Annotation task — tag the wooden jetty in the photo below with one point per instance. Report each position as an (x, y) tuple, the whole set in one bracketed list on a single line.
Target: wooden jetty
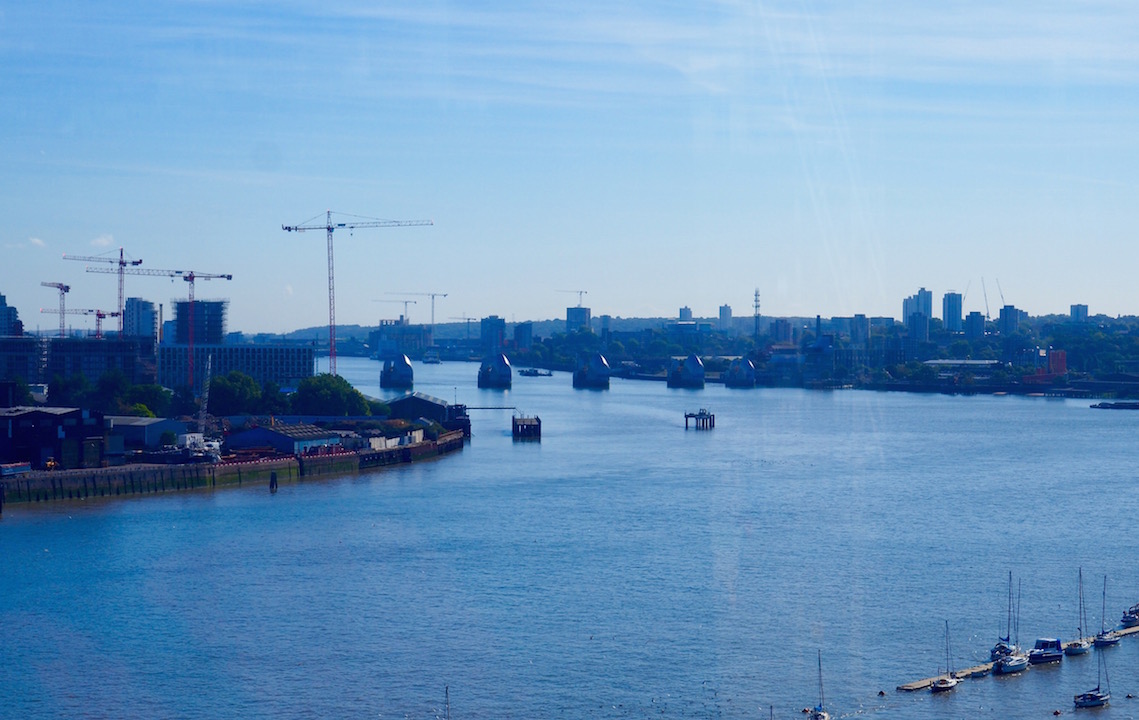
[(984, 668), (703, 420), (526, 428)]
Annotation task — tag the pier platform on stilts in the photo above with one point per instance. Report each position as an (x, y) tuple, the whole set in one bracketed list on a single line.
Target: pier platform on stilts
[(703, 420)]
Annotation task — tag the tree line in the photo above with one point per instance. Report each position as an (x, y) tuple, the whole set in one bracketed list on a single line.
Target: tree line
[(232, 394)]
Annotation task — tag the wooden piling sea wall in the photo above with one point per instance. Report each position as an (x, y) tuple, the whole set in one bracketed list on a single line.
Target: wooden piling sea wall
[(52, 486)]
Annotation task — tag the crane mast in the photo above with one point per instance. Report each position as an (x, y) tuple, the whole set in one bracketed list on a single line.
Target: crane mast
[(432, 295), (122, 264), (190, 276), (99, 316), (63, 290), (205, 395), (405, 320), (329, 227)]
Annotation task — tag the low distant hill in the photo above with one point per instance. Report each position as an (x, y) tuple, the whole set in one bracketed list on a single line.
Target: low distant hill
[(459, 330)]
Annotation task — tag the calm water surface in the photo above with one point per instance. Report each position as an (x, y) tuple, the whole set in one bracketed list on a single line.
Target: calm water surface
[(623, 567)]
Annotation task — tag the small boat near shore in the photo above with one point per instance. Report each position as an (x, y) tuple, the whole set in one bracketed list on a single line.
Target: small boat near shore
[(819, 712), (948, 681), (1046, 650), (1106, 638), (1004, 644), (1010, 664), (1099, 695), (1130, 616), (1080, 645)]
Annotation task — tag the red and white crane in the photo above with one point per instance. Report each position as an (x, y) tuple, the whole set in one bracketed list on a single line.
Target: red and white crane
[(99, 315), (190, 276), (329, 227), (122, 262), (63, 290)]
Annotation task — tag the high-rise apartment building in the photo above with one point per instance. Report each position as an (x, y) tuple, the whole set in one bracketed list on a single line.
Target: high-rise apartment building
[(974, 326), (725, 318), (1009, 321), (140, 319), (951, 312), (492, 333), (859, 331), (921, 302), (577, 318)]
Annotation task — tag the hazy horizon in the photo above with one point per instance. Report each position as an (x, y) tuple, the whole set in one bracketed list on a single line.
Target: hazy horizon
[(835, 156)]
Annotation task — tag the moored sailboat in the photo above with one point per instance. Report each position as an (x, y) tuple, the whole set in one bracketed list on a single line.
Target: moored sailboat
[(820, 711), (1004, 642), (1080, 645), (1106, 638), (948, 681), (1014, 660), (1099, 695)]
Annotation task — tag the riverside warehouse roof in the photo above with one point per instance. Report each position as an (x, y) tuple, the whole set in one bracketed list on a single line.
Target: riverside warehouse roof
[(303, 431)]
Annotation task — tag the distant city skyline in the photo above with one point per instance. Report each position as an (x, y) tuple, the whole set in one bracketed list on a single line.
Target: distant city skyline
[(837, 157)]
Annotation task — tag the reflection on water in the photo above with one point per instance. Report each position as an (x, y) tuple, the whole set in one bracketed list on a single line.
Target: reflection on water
[(622, 567)]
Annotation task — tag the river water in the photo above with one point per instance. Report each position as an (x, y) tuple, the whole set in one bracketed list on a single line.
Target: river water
[(622, 567)]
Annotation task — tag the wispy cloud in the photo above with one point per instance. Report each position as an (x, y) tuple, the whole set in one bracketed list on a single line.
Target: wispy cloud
[(36, 242), (104, 240)]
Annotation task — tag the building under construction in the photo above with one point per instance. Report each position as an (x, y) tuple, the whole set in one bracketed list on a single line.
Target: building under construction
[(183, 358)]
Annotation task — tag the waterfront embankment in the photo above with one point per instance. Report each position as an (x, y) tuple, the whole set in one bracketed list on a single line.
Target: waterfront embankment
[(63, 485)]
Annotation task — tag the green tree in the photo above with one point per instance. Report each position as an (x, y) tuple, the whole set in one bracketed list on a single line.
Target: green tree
[(68, 392), (234, 394), (183, 402), (110, 390), (139, 410), (23, 396), (379, 408), (328, 395), (273, 401), (154, 397)]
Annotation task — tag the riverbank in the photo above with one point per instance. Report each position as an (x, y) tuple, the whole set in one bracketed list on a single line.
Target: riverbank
[(72, 485)]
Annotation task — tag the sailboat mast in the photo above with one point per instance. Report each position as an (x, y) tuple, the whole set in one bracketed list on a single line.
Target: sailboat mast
[(1103, 612), (948, 670), (1106, 679), (822, 702), (1008, 620), (1080, 629)]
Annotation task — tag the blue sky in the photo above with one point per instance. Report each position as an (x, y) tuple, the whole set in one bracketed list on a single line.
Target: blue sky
[(836, 155)]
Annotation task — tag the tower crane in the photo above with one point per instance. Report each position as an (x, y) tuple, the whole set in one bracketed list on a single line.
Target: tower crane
[(405, 304), (190, 276), (330, 227), (579, 294), (986, 294), (432, 295), (99, 315), (205, 395), (63, 290), (468, 321), (122, 262)]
